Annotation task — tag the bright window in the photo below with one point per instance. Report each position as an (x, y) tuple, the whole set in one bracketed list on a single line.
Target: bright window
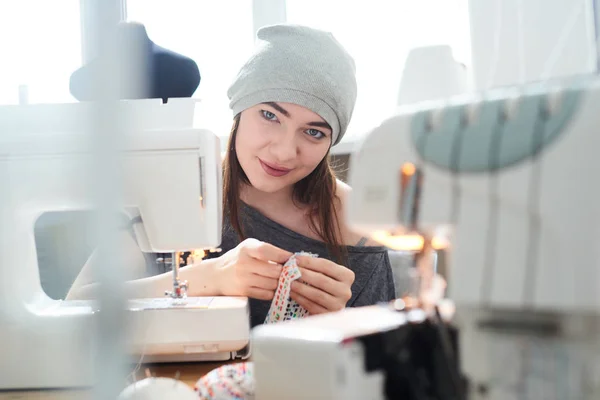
[(217, 35), (40, 44), (379, 34)]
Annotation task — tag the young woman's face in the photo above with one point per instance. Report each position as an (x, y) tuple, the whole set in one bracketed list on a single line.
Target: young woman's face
[(278, 144)]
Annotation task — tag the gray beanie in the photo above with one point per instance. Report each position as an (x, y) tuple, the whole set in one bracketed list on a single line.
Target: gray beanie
[(300, 65)]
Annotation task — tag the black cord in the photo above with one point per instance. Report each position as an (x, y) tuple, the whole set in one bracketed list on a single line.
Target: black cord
[(493, 214), (534, 197), (449, 357), (455, 155), (422, 140)]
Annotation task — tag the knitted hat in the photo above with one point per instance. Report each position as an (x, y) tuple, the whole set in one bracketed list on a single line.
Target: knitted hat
[(300, 65)]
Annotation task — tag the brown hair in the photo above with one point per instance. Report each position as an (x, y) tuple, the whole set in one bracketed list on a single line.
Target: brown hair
[(317, 191)]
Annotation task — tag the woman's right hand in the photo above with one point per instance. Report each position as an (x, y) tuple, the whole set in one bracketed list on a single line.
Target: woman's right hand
[(251, 269)]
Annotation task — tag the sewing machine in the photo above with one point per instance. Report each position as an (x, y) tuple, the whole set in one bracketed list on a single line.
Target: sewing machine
[(171, 177), (507, 177), (504, 175)]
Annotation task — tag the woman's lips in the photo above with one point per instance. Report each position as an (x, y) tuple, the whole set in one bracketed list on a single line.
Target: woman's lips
[(273, 170)]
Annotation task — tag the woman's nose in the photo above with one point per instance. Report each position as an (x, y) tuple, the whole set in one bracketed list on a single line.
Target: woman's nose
[(284, 147)]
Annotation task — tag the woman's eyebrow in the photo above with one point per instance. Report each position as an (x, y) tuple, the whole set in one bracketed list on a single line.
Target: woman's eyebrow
[(278, 108), (320, 124)]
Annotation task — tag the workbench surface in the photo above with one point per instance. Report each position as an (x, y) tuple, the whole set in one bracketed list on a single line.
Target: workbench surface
[(189, 373)]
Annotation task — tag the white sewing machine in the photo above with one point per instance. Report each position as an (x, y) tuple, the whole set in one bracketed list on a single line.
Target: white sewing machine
[(508, 175), (172, 177)]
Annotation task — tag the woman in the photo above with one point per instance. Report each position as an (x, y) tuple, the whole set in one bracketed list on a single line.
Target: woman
[(292, 101)]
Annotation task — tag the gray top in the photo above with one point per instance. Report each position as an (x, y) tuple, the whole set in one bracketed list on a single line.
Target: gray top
[(373, 282)]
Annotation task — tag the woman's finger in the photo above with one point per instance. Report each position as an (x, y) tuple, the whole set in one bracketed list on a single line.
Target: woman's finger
[(262, 282), (310, 306), (323, 282), (260, 294), (262, 268), (326, 267), (267, 252), (315, 295)]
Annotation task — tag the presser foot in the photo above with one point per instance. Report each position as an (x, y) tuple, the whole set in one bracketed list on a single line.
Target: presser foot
[(179, 292)]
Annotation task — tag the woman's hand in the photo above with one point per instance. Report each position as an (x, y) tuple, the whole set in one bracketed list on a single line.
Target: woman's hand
[(251, 269), (324, 286)]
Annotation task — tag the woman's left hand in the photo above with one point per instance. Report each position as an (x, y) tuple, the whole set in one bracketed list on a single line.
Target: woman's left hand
[(324, 286)]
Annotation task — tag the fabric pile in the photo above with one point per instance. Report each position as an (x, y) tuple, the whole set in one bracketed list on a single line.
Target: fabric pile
[(229, 382)]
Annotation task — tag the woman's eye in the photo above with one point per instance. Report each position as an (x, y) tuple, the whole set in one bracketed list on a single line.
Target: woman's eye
[(269, 115), (315, 133)]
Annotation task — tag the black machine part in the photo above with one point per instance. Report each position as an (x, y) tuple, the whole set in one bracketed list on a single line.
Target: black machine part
[(420, 361)]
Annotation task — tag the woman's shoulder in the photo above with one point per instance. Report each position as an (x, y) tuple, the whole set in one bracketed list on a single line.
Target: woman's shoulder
[(349, 237)]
